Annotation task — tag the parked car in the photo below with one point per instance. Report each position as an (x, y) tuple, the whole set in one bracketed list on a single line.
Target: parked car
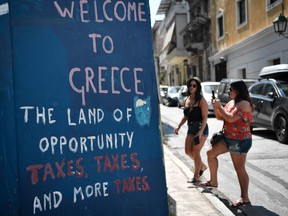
[(207, 88), (278, 72), (270, 98), (182, 94), (171, 98), (162, 92), (222, 92)]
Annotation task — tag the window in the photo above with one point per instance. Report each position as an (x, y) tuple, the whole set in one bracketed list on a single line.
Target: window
[(194, 70), (220, 25), (268, 88), (270, 4), (283, 88), (276, 61), (257, 89), (241, 12), (273, 61), (243, 73)]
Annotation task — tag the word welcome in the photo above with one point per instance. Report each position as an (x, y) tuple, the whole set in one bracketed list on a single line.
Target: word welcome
[(110, 11)]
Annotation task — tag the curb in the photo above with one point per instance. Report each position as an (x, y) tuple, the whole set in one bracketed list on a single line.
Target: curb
[(187, 172)]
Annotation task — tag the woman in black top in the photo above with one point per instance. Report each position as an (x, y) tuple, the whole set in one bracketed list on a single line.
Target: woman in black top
[(196, 114)]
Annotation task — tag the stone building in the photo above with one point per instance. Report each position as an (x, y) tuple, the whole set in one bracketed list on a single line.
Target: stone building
[(243, 37), (216, 39)]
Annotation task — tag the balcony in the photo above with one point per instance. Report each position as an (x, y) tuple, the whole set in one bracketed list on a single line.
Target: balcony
[(197, 22), (193, 34)]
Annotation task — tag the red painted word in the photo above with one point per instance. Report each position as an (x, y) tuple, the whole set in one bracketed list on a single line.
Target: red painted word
[(117, 162), (50, 170), (132, 184)]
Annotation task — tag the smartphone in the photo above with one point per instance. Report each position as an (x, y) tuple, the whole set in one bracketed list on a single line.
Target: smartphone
[(213, 94), (196, 140)]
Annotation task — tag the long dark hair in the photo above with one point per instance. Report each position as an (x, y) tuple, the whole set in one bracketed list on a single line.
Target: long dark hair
[(198, 94), (242, 91)]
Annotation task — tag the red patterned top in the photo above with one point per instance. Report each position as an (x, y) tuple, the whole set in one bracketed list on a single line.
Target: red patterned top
[(239, 129)]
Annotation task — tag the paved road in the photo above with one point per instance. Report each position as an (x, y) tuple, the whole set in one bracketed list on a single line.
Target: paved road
[(267, 165)]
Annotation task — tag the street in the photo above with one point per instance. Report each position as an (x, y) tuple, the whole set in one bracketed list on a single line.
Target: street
[(266, 165)]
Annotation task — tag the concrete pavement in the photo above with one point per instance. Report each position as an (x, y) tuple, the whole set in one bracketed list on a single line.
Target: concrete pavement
[(186, 199)]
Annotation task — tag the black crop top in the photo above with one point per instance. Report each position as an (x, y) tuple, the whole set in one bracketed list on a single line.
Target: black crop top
[(195, 114)]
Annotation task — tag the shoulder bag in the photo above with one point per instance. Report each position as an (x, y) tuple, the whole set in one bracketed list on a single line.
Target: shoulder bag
[(216, 137)]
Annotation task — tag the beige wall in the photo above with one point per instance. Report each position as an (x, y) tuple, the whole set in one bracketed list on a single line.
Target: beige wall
[(258, 19)]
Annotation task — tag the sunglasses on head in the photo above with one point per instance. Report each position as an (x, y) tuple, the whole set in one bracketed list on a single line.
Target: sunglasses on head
[(193, 85), (231, 89)]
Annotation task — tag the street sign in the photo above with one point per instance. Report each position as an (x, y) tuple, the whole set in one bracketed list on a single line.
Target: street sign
[(80, 131)]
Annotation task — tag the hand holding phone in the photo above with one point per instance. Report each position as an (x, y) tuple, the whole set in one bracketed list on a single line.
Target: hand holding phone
[(213, 94)]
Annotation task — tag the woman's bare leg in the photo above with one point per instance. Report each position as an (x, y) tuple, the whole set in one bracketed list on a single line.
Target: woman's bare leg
[(212, 153), (243, 178), (198, 163)]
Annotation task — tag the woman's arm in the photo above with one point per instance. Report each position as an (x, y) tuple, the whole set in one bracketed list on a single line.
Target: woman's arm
[(204, 110), (183, 120), (231, 116), (217, 113)]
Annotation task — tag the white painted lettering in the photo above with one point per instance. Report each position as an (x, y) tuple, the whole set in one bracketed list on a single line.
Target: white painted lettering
[(50, 201), (122, 11), (103, 71), (62, 144), (98, 189)]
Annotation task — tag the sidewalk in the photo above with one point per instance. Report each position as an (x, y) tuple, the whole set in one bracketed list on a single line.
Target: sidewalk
[(186, 199)]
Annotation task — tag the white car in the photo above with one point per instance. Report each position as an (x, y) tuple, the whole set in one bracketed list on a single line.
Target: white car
[(207, 88), (182, 94)]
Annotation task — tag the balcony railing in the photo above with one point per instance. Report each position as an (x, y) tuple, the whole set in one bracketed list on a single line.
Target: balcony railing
[(193, 34), (198, 22)]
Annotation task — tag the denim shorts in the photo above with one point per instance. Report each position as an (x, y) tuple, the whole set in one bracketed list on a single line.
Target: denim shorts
[(194, 128), (238, 146)]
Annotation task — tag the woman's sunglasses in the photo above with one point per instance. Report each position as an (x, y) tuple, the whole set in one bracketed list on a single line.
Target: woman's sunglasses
[(230, 89), (193, 85)]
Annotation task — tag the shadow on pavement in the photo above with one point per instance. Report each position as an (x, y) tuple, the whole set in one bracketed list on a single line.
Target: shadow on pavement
[(172, 206), (245, 210), (256, 210), (167, 129), (267, 134)]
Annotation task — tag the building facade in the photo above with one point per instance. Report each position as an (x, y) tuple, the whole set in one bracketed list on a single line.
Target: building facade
[(216, 39), (243, 37), (184, 35), (197, 39), (171, 52)]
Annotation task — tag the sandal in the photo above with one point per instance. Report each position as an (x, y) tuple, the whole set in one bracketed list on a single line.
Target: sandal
[(202, 171), (208, 184), (240, 202), (193, 180)]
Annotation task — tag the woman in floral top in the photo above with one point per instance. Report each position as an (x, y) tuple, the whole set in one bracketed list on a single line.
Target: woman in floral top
[(237, 116)]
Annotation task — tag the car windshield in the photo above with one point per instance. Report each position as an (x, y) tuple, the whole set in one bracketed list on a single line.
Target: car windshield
[(283, 87), (174, 90), (209, 88), (248, 84)]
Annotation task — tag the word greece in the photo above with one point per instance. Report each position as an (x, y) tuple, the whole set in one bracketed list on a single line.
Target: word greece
[(100, 11), (104, 80)]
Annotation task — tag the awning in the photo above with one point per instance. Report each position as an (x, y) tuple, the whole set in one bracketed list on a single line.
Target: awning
[(163, 7), (168, 36)]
